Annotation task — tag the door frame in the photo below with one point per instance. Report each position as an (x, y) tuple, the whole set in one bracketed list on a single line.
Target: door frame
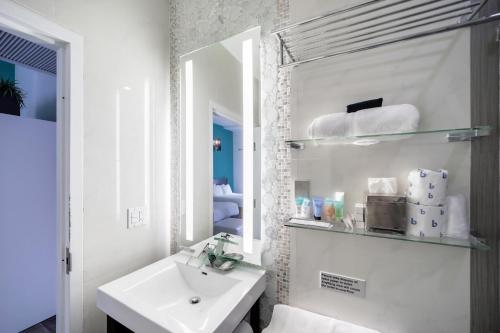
[(69, 46)]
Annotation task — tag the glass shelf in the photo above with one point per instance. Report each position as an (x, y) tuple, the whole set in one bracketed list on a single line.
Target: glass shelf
[(471, 243), (436, 135)]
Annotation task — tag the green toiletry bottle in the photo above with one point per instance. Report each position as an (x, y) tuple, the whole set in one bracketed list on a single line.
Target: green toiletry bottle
[(339, 205)]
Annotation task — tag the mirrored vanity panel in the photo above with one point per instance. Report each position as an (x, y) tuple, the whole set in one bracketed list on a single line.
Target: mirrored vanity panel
[(220, 164)]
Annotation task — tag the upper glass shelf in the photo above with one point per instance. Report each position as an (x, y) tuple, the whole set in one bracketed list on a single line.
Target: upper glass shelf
[(436, 135), (470, 243)]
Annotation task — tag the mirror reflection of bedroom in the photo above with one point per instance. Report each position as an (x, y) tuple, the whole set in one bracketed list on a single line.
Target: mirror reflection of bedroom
[(227, 159)]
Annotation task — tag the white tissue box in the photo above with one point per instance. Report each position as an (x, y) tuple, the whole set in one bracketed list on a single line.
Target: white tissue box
[(360, 218), (382, 185), (359, 209), (360, 225)]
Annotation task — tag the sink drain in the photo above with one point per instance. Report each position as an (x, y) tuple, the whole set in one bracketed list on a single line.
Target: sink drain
[(195, 300)]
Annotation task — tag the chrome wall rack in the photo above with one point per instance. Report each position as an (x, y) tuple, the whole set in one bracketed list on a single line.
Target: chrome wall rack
[(374, 24)]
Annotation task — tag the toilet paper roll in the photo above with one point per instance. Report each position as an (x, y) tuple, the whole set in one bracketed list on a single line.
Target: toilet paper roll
[(427, 187), (425, 221)]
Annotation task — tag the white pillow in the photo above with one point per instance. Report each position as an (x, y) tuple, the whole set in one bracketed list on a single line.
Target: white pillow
[(227, 189), (218, 190)]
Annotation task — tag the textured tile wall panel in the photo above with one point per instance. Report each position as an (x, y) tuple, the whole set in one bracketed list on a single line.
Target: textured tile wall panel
[(195, 24)]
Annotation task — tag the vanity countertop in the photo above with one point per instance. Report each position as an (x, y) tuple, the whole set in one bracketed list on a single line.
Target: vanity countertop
[(157, 298)]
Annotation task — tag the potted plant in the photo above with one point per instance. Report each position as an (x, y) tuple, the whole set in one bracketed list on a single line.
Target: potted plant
[(11, 97)]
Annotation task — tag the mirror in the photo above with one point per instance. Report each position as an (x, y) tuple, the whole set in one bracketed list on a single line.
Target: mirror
[(220, 164)]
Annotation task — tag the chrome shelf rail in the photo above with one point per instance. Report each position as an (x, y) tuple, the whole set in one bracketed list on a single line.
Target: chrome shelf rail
[(374, 24)]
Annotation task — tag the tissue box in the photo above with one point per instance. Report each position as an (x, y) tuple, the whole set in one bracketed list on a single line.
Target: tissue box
[(359, 212), (386, 213), (382, 186)]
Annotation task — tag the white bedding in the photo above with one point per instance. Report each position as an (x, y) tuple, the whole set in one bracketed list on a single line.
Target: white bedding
[(237, 198), (224, 210), (230, 225)]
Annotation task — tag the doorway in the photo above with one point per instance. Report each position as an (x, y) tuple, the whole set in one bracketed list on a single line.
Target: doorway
[(28, 225), (67, 182)]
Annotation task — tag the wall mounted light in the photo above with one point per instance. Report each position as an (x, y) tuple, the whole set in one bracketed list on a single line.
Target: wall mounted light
[(189, 123), (248, 145), (217, 144)]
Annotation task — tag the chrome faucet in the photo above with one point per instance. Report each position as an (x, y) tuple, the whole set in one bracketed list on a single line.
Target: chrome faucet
[(206, 253), (214, 254)]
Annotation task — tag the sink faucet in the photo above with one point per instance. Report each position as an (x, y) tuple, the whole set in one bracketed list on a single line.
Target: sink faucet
[(202, 256), (213, 254)]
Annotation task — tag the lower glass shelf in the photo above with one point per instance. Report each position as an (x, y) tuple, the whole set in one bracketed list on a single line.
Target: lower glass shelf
[(470, 243)]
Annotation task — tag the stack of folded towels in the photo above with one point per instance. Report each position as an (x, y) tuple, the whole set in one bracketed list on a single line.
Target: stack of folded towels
[(426, 207), (371, 118)]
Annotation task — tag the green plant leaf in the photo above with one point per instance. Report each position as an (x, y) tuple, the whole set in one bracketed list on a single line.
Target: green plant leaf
[(8, 88)]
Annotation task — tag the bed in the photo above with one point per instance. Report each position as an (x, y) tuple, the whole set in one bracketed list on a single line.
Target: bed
[(236, 198), (230, 225), (226, 218)]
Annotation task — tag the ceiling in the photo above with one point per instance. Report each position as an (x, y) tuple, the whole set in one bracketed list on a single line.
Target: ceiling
[(25, 52)]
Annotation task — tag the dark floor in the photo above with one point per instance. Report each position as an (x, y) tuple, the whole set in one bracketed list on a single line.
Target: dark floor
[(46, 326)]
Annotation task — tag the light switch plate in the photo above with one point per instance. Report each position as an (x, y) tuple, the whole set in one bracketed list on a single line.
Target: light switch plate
[(136, 217)]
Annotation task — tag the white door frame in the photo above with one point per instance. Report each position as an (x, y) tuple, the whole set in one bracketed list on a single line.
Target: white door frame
[(69, 46)]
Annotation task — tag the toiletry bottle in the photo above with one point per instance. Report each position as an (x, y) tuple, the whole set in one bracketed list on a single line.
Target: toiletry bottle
[(339, 205), (298, 206), (317, 207), (306, 208), (329, 210)]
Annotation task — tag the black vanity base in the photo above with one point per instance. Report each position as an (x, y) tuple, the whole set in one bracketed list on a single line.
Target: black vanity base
[(115, 327)]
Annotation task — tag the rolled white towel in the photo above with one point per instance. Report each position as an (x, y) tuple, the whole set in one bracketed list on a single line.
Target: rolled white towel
[(386, 119), (457, 226), (333, 124), (293, 320)]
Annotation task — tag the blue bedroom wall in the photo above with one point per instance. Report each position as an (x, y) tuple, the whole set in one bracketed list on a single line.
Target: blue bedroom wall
[(7, 70), (40, 90), (223, 159)]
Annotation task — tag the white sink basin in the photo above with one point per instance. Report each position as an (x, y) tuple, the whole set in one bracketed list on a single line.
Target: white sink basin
[(158, 297)]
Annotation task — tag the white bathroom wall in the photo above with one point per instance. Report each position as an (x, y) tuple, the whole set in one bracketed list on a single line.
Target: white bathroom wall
[(410, 287), (126, 116), (28, 256), (40, 88)]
